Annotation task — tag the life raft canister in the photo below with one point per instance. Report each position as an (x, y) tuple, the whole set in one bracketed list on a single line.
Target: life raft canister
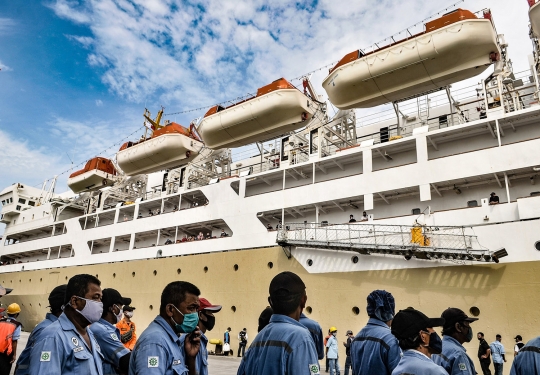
[(7, 328)]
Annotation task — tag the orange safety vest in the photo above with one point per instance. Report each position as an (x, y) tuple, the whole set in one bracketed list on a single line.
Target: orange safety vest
[(125, 327), (7, 328)]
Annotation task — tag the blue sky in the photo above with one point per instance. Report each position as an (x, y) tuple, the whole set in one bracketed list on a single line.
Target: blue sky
[(77, 75)]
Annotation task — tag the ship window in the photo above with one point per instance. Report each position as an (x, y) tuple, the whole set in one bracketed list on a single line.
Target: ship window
[(443, 121), (22, 201), (416, 211), (18, 208), (31, 203), (3, 203), (472, 203)]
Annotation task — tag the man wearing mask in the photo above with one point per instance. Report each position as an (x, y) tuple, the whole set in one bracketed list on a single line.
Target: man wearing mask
[(207, 321), (484, 352), (332, 352), (158, 350), (350, 337), (375, 350), (419, 341), (527, 363), (242, 337), (316, 332), (67, 347), (456, 331), (284, 346), (497, 351), (128, 336), (56, 301), (115, 354)]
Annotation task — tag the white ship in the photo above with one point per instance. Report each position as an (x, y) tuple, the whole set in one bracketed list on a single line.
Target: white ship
[(423, 173)]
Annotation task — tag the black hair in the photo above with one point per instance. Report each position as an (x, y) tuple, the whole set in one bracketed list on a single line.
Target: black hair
[(497, 335), (228, 328), (481, 334), (410, 343), (175, 293), (285, 303), (78, 286)]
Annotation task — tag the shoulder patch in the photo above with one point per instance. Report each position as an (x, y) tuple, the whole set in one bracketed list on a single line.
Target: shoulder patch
[(114, 337), (45, 357), (314, 369), (462, 367), (153, 361)]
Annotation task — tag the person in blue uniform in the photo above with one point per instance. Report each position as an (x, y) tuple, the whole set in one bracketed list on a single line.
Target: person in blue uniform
[(528, 360), (284, 346), (456, 330), (419, 341), (159, 349), (374, 349), (332, 352), (115, 354), (264, 318), (316, 333), (67, 346), (56, 301)]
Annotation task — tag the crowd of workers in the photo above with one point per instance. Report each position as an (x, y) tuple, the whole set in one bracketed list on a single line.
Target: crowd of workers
[(84, 333)]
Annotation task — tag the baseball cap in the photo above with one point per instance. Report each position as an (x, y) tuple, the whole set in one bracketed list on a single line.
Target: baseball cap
[(452, 315), (518, 337), (113, 297), (349, 332), (128, 308), (286, 283), (204, 304), (407, 323)]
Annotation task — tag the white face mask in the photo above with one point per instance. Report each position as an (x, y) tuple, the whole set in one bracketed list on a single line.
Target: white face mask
[(128, 314), (92, 310), (119, 315)]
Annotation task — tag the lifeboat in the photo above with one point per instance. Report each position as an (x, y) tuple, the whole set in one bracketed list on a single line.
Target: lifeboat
[(169, 146), (534, 17), (277, 108), (452, 48), (96, 174)]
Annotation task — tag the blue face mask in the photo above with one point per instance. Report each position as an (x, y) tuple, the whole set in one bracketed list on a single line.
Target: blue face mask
[(189, 324), (435, 343)]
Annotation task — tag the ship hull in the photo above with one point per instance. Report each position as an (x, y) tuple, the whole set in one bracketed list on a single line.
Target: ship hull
[(497, 290)]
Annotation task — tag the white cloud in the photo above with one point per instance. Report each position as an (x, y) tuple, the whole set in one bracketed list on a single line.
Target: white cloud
[(6, 25), (85, 41), (4, 67), (99, 103)]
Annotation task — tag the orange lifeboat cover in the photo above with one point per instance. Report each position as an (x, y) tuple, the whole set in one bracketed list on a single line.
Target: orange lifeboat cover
[(102, 164)]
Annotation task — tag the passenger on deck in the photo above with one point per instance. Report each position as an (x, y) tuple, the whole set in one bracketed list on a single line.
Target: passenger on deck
[(269, 227), (150, 213), (223, 233), (208, 236), (184, 239), (139, 216), (279, 226), (168, 242), (200, 237), (364, 216), (352, 219), (493, 199), (175, 208)]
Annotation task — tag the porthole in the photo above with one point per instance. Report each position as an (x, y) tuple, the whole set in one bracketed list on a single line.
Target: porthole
[(39, 304), (151, 307), (309, 309), (475, 311), (114, 275), (19, 280), (133, 274), (235, 267), (66, 277), (354, 259), (270, 265), (41, 279), (537, 245), (178, 271), (30, 305), (97, 276), (355, 310), (309, 262), (29, 280), (205, 269), (233, 309), (155, 272)]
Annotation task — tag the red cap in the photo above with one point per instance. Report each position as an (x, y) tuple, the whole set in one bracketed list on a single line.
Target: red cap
[(205, 305)]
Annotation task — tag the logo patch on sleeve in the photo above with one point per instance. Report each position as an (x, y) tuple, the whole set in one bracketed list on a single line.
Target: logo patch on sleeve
[(314, 369), (177, 362), (45, 357), (114, 337), (153, 362), (462, 367)]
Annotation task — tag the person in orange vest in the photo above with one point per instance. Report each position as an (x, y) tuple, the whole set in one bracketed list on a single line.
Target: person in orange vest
[(127, 328), (10, 332)]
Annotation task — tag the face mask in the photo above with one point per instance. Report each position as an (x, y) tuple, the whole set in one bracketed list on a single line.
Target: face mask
[(334, 334), (92, 310), (435, 343), (188, 325), (469, 335), (210, 322), (129, 314), (119, 315)]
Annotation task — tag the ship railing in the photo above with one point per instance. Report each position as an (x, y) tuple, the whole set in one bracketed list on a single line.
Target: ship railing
[(416, 241)]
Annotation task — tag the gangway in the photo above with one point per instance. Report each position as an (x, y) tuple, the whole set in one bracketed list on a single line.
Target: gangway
[(423, 242)]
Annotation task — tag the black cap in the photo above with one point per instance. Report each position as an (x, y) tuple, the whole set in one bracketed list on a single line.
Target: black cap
[(452, 315), (493, 193), (349, 332), (56, 298), (128, 308), (113, 297), (407, 323), (518, 337), (286, 283)]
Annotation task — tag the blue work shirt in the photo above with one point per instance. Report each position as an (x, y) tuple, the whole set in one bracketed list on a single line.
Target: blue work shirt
[(454, 358), (415, 363), (158, 351), (201, 361), (284, 346), (528, 360), (332, 346), (24, 358), (497, 350), (375, 350), (62, 350), (316, 333), (108, 338)]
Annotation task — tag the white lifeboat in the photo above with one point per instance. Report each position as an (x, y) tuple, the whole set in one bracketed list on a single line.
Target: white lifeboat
[(96, 174), (170, 146), (278, 108), (534, 17), (452, 48)]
